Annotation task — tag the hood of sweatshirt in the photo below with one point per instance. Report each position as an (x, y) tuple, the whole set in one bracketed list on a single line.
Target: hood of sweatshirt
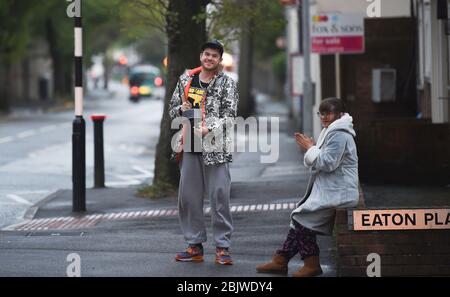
[(345, 123)]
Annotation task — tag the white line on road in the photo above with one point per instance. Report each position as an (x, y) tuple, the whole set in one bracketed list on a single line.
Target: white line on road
[(18, 199), (6, 139), (26, 134), (34, 192), (65, 125), (93, 219), (47, 128), (142, 170)]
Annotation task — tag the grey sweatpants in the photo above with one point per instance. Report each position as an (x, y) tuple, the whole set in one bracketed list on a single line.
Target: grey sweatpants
[(196, 180)]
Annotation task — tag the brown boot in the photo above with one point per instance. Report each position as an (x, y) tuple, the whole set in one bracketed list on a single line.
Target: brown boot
[(279, 265), (310, 269)]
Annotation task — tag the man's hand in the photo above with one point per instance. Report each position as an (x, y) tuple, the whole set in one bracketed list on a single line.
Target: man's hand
[(304, 142), (185, 106), (200, 130)]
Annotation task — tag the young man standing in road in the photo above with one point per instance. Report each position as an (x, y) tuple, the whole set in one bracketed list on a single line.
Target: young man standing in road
[(213, 95)]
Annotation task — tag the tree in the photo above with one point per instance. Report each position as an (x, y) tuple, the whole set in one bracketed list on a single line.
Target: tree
[(240, 20), (15, 33), (185, 32), (101, 30), (186, 24)]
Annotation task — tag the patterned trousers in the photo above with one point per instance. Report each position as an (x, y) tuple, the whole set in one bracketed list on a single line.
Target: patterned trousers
[(300, 240)]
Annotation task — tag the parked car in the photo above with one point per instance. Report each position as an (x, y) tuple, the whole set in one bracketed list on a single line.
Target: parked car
[(144, 80)]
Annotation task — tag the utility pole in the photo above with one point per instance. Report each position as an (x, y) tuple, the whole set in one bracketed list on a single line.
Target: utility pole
[(308, 86), (79, 125)]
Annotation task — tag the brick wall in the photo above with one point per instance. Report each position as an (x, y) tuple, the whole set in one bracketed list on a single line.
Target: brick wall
[(392, 145)]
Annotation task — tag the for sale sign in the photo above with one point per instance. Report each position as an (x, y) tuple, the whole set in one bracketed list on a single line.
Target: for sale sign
[(333, 33)]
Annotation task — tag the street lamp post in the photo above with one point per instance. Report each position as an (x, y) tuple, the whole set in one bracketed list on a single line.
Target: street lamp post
[(79, 125)]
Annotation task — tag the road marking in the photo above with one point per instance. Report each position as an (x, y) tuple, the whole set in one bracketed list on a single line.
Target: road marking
[(33, 192), (6, 139), (59, 223), (18, 199), (64, 125), (47, 128), (142, 170), (26, 134)]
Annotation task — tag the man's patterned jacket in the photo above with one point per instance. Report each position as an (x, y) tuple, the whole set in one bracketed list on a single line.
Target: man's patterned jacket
[(219, 112)]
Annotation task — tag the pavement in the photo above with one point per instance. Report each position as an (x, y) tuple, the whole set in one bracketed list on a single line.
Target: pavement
[(122, 234)]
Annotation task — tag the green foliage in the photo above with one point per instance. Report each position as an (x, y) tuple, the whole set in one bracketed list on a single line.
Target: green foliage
[(20, 21), (279, 66), (144, 25), (228, 16), (140, 16), (152, 47), (102, 28), (15, 20)]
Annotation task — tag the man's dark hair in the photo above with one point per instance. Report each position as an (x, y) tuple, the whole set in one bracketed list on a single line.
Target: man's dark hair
[(332, 104)]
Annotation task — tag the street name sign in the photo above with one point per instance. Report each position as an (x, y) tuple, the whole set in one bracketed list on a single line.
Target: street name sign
[(400, 219)]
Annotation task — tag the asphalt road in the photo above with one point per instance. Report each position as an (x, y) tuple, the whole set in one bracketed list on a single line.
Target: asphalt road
[(144, 246), (36, 149)]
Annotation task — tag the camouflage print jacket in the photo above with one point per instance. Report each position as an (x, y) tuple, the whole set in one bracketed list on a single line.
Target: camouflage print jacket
[(220, 110)]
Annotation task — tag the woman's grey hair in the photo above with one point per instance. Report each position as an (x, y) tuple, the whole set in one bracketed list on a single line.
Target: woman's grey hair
[(332, 104)]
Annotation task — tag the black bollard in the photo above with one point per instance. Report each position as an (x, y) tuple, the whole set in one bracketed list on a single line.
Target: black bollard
[(79, 165), (99, 160)]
